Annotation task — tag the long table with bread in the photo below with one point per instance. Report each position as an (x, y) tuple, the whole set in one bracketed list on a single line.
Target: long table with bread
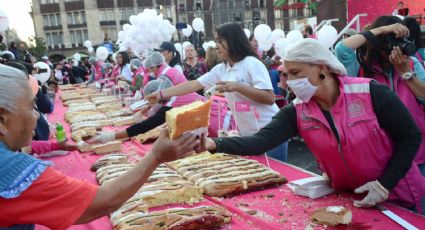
[(217, 189)]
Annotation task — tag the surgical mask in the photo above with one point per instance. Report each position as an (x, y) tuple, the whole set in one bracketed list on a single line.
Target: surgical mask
[(302, 88)]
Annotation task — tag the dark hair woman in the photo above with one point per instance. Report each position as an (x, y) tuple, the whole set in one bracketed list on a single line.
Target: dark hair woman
[(244, 80), (386, 58)]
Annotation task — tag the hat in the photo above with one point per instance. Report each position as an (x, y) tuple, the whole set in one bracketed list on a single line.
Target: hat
[(311, 51), (154, 59), (166, 46), (350, 32)]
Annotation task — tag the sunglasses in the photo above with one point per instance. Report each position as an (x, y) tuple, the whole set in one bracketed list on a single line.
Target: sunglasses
[(41, 71)]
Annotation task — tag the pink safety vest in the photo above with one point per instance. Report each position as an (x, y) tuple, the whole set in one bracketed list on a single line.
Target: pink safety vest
[(224, 115), (363, 150), (403, 91)]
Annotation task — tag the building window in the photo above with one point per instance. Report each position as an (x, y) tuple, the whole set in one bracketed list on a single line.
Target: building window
[(78, 37), (54, 39), (182, 5), (72, 0), (231, 4), (49, 1), (107, 15), (167, 12), (248, 14), (279, 25), (111, 32), (277, 13), (183, 18), (292, 13), (198, 5), (52, 20), (263, 14), (306, 12), (126, 13), (262, 4), (76, 18)]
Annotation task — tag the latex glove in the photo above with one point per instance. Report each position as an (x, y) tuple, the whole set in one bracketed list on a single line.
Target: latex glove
[(103, 138), (376, 194)]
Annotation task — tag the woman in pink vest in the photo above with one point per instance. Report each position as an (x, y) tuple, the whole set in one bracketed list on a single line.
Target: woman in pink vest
[(166, 77), (362, 135), (387, 61)]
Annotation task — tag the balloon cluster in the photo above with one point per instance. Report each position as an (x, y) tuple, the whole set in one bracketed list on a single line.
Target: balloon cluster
[(147, 30)]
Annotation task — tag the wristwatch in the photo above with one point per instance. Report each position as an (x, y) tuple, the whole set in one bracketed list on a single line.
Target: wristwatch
[(408, 76)]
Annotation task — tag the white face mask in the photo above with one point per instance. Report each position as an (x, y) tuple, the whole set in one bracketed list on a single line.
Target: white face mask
[(302, 88)]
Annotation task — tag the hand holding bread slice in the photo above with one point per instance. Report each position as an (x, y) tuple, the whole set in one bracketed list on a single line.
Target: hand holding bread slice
[(187, 118)]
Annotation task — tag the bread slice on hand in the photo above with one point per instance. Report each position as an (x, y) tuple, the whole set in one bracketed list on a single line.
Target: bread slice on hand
[(332, 215), (187, 118)]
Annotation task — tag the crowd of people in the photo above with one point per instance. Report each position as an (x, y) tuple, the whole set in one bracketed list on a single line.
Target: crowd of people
[(360, 110)]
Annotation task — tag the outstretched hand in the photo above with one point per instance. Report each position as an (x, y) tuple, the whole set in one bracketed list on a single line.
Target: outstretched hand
[(166, 150)]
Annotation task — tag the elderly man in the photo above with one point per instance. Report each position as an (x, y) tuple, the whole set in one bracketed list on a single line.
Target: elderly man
[(32, 192)]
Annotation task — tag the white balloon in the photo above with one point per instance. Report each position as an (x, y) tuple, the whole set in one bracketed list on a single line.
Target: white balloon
[(294, 36), (247, 32), (77, 57), (198, 24), (280, 46), (277, 34), (178, 47), (327, 35), (262, 33), (42, 77), (125, 27), (4, 21), (133, 19), (265, 45), (187, 31), (185, 44), (90, 49), (101, 53), (87, 44)]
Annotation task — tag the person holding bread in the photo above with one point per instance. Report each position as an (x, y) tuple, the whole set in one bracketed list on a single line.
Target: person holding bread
[(166, 77), (33, 192), (244, 80), (361, 134)]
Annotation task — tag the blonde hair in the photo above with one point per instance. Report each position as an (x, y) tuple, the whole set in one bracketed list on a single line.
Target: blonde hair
[(211, 58)]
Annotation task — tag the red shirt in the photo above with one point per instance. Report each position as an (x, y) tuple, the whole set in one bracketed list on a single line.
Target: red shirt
[(53, 200)]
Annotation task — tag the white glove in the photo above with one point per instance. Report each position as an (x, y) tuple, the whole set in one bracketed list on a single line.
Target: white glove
[(103, 138), (376, 194)]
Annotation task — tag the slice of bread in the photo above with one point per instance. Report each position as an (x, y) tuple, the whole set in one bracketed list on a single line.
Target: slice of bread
[(187, 118), (332, 215)]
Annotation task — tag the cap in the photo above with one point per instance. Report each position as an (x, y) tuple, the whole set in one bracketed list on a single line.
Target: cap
[(166, 46)]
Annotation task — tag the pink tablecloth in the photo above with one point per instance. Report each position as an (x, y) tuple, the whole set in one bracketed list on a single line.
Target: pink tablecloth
[(274, 208)]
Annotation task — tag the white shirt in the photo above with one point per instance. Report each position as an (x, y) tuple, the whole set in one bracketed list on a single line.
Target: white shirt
[(179, 68), (58, 74), (250, 116), (126, 72)]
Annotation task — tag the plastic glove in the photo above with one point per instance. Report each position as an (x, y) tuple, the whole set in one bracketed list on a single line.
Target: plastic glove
[(376, 194), (103, 137)]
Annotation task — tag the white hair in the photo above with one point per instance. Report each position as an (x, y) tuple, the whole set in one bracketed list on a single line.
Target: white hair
[(13, 84)]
